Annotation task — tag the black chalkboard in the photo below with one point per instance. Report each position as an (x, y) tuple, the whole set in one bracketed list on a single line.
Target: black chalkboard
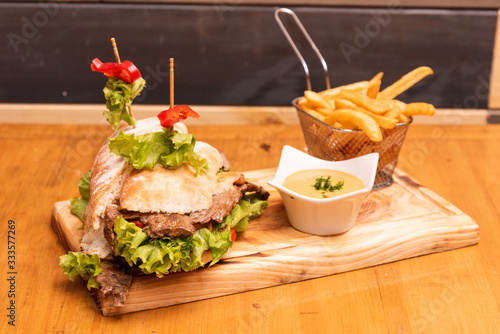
[(237, 55)]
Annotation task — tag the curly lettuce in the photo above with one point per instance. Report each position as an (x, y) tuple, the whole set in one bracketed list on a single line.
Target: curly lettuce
[(171, 149), (248, 208), (80, 264), (159, 256), (119, 96), (78, 205), (168, 255)]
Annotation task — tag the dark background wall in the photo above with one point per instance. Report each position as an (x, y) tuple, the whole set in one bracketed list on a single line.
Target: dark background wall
[(237, 55)]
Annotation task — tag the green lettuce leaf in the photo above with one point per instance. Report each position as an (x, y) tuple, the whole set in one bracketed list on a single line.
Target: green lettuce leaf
[(159, 256), (84, 185), (171, 149), (84, 265), (249, 207), (78, 205), (219, 241), (119, 95)]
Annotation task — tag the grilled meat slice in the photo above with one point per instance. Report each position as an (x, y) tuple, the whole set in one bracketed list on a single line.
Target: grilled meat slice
[(114, 281), (222, 204), (160, 225), (249, 187)]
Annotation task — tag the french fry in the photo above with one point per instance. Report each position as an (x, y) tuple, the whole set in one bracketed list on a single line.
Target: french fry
[(324, 111), (383, 122), (337, 125), (302, 101), (365, 102), (419, 108), (341, 103), (314, 113), (395, 104), (336, 91), (400, 104), (358, 118), (315, 100), (397, 110), (349, 125), (393, 113), (373, 86), (402, 118), (405, 82), (305, 104)]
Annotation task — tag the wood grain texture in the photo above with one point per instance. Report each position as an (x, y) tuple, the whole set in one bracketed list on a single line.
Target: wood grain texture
[(395, 223), (451, 292)]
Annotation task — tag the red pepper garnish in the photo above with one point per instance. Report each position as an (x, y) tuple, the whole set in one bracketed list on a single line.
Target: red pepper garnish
[(138, 224), (233, 234), (125, 71), (176, 114)]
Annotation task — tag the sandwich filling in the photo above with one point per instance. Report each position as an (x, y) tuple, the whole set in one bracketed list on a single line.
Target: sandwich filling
[(161, 225)]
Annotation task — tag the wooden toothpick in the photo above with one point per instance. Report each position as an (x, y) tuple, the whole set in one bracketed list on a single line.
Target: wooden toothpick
[(117, 57), (171, 83), (115, 50)]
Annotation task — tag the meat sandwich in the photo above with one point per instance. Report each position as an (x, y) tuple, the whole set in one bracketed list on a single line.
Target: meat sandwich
[(158, 220)]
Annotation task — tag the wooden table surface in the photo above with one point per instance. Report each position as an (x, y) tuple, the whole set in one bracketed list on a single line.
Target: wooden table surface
[(452, 292)]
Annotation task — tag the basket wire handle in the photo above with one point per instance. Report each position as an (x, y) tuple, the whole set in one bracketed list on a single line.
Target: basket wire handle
[(297, 52)]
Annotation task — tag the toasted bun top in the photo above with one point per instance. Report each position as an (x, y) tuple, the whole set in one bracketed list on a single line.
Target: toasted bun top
[(172, 190)]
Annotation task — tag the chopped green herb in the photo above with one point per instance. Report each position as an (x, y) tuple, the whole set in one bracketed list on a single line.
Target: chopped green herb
[(326, 185)]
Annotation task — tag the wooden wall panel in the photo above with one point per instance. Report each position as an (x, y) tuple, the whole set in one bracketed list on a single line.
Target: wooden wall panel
[(494, 102), (236, 54)]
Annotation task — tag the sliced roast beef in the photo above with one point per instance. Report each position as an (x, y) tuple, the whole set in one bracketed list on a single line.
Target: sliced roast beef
[(249, 187), (222, 204), (112, 212), (161, 225), (114, 281)]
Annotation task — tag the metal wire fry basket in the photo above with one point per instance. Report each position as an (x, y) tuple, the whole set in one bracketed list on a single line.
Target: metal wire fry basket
[(326, 142)]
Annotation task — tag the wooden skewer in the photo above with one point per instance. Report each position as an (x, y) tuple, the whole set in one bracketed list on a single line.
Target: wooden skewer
[(131, 115), (117, 57), (171, 83), (115, 50)]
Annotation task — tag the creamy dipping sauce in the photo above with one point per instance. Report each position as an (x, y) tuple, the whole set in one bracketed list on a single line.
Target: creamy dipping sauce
[(331, 183)]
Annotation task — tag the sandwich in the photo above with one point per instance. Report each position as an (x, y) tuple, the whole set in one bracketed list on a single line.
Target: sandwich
[(158, 220), (156, 201)]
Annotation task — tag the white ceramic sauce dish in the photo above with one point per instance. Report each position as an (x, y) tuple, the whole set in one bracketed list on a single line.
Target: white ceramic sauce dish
[(323, 216)]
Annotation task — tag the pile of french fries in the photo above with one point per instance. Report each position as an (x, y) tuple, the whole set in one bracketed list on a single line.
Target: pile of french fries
[(362, 106)]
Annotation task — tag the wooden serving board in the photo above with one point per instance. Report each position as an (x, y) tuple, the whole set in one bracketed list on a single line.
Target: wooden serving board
[(395, 223)]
